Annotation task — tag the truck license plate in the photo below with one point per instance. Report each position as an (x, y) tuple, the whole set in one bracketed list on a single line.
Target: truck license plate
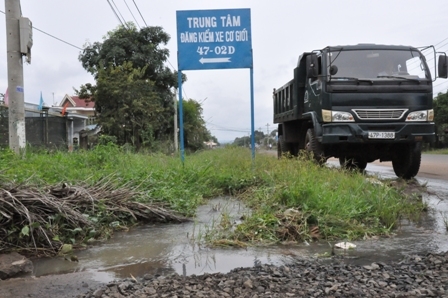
[(381, 135)]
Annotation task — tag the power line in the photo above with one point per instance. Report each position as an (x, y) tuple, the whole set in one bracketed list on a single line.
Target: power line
[(76, 47), (140, 13), (219, 126), (431, 57), (57, 38), (136, 6), (442, 46), (169, 62), (125, 2), (115, 12), (441, 83), (124, 20), (441, 87), (233, 130), (440, 42)]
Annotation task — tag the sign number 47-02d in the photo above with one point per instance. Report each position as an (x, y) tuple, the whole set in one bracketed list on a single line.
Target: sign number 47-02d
[(218, 50)]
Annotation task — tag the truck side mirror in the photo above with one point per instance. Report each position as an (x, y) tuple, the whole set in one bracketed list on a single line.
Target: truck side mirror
[(312, 66), (443, 67)]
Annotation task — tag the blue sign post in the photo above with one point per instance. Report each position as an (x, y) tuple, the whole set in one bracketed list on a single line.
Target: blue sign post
[(214, 39)]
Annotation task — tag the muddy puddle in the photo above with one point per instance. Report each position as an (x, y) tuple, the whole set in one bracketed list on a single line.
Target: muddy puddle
[(161, 249)]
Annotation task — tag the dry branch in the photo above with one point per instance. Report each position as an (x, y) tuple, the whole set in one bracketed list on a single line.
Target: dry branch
[(36, 221)]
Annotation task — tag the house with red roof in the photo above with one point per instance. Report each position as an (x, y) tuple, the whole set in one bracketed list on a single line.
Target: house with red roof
[(76, 105), (80, 114), (76, 122)]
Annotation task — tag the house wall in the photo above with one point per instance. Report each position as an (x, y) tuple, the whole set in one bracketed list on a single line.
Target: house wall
[(40, 131), (47, 128), (74, 126)]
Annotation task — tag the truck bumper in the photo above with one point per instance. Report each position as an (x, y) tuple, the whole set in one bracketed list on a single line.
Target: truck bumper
[(333, 133)]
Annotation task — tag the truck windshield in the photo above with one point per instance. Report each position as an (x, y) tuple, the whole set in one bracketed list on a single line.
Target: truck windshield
[(378, 64)]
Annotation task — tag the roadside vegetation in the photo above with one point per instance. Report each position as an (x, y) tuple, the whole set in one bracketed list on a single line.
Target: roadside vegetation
[(437, 151), (441, 121), (290, 199)]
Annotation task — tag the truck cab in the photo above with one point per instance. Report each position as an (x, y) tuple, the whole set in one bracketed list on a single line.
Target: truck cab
[(359, 103)]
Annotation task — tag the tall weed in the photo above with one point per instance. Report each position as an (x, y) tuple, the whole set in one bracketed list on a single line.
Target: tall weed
[(327, 202)]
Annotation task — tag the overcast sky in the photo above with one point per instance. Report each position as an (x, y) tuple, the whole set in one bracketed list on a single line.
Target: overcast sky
[(281, 31)]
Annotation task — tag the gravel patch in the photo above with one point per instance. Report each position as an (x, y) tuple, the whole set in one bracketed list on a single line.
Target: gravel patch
[(414, 276)]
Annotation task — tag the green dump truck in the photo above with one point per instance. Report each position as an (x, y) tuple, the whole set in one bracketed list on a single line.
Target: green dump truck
[(360, 103)]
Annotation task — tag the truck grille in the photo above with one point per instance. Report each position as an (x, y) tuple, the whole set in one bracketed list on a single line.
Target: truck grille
[(379, 114)]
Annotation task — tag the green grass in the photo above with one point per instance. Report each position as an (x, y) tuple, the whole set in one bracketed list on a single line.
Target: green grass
[(437, 151), (341, 205), (327, 203)]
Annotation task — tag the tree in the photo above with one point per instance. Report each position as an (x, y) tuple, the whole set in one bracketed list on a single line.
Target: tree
[(214, 139), (129, 106), (132, 94), (243, 141), (246, 141), (441, 114), (127, 44), (195, 131), (259, 135)]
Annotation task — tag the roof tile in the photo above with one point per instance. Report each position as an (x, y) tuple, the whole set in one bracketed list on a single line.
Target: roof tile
[(82, 102)]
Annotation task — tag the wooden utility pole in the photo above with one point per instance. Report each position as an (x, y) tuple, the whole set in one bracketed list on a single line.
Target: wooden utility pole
[(16, 106), (268, 137)]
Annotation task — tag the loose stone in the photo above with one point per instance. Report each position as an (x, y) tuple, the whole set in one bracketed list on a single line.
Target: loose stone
[(414, 276)]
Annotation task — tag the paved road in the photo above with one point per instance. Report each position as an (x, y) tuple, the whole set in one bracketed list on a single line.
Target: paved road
[(433, 166)]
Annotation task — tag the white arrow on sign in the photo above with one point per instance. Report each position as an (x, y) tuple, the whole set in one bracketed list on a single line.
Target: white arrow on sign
[(214, 60)]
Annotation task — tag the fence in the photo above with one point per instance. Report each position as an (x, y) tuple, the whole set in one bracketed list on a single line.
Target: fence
[(41, 128)]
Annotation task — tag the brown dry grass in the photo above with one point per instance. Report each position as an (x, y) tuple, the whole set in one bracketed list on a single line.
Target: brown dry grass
[(36, 221)]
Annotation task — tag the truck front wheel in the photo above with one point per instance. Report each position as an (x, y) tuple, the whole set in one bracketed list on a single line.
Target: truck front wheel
[(312, 146), (406, 162)]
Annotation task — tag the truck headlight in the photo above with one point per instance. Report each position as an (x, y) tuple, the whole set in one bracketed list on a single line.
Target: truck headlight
[(337, 116), (425, 115)]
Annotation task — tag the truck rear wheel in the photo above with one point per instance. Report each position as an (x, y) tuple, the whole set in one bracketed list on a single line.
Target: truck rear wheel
[(406, 163), (285, 147), (312, 146), (352, 163), (281, 147)]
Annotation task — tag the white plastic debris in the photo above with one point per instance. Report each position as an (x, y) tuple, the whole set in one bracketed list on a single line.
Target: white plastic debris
[(374, 181), (345, 245)]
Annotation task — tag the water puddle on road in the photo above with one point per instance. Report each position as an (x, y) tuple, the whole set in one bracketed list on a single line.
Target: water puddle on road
[(161, 249)]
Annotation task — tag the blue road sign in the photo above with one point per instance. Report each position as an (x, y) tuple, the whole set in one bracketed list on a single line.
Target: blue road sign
[(214, 39)]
